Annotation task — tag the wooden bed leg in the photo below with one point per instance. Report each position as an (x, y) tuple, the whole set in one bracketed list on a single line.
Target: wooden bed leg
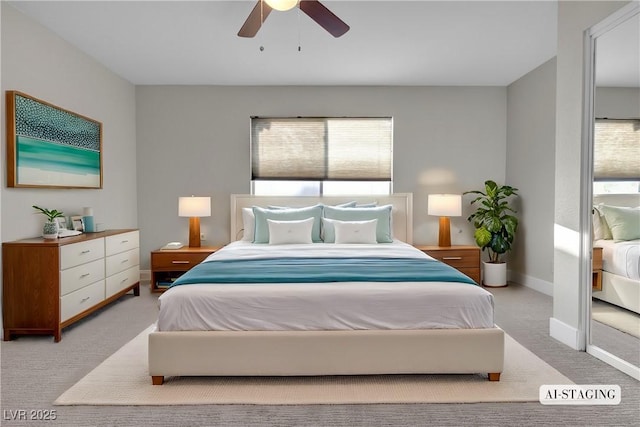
[(159, 379), (494, 376)]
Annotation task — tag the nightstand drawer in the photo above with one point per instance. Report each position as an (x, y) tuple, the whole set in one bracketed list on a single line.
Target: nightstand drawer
[(176, 261), (597, 258), (457, 257), (464, 258)]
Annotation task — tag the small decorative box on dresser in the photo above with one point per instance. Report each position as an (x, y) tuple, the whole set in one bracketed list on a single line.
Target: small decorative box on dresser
[(168, 265), (50, 284), (465, 259)]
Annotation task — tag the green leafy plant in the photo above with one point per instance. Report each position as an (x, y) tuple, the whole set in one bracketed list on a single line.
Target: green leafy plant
[(494, 224), (50, 214)]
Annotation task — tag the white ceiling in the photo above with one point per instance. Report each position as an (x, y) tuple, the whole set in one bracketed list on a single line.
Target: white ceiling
[(390, 42)]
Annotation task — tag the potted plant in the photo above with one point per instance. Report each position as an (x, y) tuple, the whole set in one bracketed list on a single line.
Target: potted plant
[(495, 228), (50, 229)]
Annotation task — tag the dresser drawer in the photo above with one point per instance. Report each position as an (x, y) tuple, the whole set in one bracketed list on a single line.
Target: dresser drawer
[(78, 301), (80, 253), (122, 242), (458, 258), (122, 261), (122, 280), (176, 261), (81, 276)]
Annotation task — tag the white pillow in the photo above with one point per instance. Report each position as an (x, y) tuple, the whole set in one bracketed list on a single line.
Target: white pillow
[(248, 224), (284, 232), (356, 231)]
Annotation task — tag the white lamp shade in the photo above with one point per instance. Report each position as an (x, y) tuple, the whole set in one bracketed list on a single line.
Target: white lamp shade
[(282, 5), (194, 206), (444, 205)]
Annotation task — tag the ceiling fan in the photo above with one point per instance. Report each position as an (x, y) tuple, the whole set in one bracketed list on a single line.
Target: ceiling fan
[(313, 8)]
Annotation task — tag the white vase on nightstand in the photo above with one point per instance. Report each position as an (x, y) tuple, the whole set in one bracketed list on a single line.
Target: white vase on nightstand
[(494, 274)]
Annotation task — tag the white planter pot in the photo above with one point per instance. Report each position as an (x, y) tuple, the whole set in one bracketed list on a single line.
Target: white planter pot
[(50, 230), (494, 274)]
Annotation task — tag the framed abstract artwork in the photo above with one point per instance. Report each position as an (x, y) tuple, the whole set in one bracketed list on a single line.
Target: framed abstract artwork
[(48, 146)]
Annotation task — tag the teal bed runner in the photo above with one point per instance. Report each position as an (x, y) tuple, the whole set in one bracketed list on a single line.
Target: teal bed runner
[(314, 270)]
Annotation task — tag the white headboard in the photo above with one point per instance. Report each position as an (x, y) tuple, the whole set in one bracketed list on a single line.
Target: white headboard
[(401, 214)]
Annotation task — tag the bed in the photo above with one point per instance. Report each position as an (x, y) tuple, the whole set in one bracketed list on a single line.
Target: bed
[(617, 232), (351, 317)]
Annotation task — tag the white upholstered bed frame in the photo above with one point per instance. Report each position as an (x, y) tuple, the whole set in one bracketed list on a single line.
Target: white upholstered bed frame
[(619, 290), (358, 352)]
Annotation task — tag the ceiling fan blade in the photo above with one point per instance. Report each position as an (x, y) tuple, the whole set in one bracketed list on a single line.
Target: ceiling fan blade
[(255, 19), (324, 17)]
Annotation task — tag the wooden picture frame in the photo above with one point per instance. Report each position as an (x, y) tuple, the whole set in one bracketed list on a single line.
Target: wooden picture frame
[(50, 147)]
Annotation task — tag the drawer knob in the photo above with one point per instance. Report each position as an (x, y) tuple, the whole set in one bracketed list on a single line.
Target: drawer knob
[(124, 261), (124, 241), (85, 299), (452, 258), (85, 252), (179, 262), (85, 275)]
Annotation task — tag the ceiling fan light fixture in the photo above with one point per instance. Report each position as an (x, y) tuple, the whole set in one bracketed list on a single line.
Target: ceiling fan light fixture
[(282, 5)]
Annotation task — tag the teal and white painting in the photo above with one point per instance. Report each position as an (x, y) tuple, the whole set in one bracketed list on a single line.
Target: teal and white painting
[(55, 147)]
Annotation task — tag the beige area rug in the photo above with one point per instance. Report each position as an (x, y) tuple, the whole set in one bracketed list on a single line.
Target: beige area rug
[(616, 317), (123, 379)]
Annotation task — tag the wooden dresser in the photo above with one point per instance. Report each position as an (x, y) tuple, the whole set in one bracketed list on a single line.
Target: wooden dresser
[(50, 284)]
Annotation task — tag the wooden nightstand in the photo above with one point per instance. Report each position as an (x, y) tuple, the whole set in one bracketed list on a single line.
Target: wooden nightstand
[(597, 269), (465, 259), (168, 265)]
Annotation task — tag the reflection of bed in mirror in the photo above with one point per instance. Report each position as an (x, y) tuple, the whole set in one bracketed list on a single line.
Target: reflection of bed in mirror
[(620, 257), (211, 351)]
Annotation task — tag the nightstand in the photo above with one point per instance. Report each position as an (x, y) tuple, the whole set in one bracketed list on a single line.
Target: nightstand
[(168, 265), (597, 269), (465, 259)]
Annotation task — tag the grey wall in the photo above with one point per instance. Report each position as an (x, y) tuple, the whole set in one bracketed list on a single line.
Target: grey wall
[(530, 168), (617, 103), (41, 64), (195, 140), (573, 19)]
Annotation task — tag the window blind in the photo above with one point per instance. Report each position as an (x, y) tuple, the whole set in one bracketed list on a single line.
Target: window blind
[(329, 149), (617, 150)]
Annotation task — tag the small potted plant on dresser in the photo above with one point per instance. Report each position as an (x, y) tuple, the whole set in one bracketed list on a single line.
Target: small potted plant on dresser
[(495, 229), (50, 229)]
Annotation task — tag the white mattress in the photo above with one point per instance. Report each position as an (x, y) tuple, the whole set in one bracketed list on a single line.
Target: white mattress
[(621, 258), (324, 306)]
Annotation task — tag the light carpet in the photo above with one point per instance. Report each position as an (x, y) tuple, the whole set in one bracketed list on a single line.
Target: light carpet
[(123, 379), (616, 317)]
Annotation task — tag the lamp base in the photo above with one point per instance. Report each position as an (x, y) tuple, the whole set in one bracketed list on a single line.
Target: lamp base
[(194, 232), (444, 234)]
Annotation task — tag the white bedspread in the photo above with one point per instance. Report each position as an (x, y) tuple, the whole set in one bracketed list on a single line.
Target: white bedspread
[(324, 306), (621, 258)]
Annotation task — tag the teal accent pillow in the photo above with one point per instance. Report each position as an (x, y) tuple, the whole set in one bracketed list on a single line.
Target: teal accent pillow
[(623, 222), (381, 213), (261, 233)]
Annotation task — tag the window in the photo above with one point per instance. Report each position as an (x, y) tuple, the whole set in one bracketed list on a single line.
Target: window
[(616, 156), (321, 156)]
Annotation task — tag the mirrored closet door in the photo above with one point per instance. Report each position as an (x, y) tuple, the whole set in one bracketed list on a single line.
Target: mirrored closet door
[(615, 297)]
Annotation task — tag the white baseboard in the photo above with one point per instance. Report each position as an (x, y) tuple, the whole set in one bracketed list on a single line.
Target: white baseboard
[(534, 283), (566, 334)]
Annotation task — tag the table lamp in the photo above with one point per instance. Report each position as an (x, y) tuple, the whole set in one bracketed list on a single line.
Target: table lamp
[(194, 208), (444, 206)]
